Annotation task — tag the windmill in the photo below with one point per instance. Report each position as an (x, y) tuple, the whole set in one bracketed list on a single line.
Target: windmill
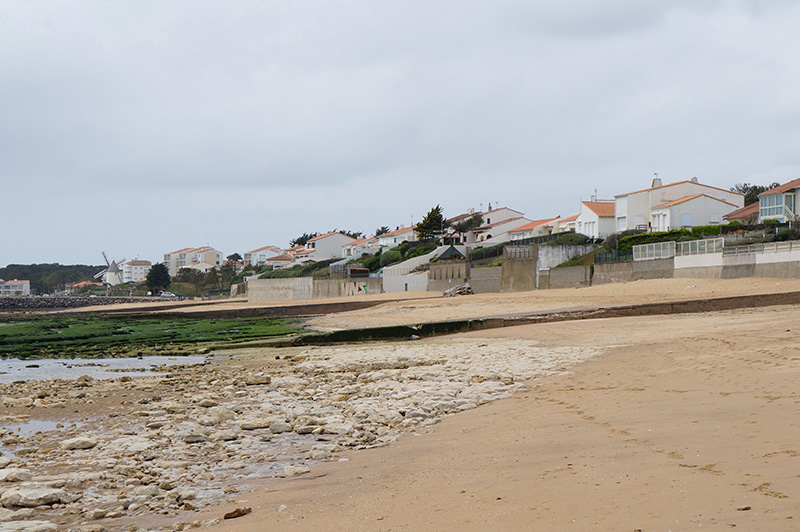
[(112, 275)]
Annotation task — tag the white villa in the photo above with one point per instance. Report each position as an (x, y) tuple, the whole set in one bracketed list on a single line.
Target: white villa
[(192, 257), (15, 287), (324, 247), (259, 256), (644, 209), (779, 203), (135, 271), (596, 219), (700, 209), (394, 238)]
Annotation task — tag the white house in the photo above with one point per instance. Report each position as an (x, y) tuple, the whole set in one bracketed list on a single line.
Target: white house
[(259, 256), (779, 203), (15, 287), (634, 210), (532, 229), (596, 219), (496, 232), (496, 222), (563, 225), (700, 209), (186, 257), (135, 271), (360, 247), (399, 235), (324, 247)]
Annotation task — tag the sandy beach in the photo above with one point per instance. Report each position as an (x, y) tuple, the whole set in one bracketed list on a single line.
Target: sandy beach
[(692, 423), (673, 422)]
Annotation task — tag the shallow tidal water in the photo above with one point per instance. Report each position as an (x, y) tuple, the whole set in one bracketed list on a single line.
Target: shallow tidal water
[(13, 369)]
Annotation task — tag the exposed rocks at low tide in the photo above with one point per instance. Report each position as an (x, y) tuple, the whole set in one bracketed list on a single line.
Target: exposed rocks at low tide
[(147, 452), (59, 302)]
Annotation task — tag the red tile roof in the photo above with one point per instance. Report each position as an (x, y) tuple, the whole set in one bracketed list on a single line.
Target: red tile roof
[(677, 183), (689, 198), (786, 187), (534, 224), (276, 249), (398, 231), (360, 241), (326, 235), (745, 212), (601, 208), (139, 263)]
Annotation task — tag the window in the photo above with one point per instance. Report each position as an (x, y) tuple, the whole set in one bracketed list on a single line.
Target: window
[(713, 218)]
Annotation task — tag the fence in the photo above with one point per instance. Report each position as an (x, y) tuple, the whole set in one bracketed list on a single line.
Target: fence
[(770, 247), (654, 251), (518, 253), (701, 247), (613, 256)]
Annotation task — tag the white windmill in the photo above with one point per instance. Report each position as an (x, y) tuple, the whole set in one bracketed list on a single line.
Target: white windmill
[(112, 275)]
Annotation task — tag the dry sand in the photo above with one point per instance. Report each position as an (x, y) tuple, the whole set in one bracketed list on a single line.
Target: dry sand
[(690, 421), (484, 305)]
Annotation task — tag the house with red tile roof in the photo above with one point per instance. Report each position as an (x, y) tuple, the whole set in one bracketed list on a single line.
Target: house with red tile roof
[(780, 203), (192, 258), (15, 287), (596, 219), (635, 210), (532, 229), (324, 247), (689, 211), (135, 271), (360, 247), (396, 237), (259, 256), (746, 215)]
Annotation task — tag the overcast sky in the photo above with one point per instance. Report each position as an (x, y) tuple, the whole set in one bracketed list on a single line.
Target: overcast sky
[(141, 127)]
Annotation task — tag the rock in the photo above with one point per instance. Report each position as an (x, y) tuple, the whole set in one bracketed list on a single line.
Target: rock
[(28, 526), (146, 491), (4, 462), (239, 512), (193, 437), (187, 495), (97, 513), (32, 497), (255, 380), (253, 424), (78, 443), (278, 428), (207, 403), (16, 515), (13, 474), (293, 471), (207, 421), (221, 413)]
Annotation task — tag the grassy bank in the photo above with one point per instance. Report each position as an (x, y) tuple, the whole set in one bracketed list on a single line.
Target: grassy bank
[(106, 336)]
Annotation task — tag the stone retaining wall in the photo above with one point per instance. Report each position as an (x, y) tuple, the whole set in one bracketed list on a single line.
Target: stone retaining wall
[(56, 302)]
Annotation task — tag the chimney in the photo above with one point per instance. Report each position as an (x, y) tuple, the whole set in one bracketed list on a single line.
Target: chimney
[(490, 207), (656, 181), (693, 180), (593, 198)]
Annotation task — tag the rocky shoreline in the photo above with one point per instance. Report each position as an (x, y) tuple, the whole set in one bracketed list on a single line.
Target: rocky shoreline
[(147, 453), (12, 303)]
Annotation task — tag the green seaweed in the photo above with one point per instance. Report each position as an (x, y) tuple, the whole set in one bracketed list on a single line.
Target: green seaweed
[(114, 335)]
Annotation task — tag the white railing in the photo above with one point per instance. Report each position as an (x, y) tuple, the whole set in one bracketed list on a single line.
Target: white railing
[(657, 250), (700, 247), (769, 247)]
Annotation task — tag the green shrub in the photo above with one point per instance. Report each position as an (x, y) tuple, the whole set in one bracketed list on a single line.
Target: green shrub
[(787, 234), (626, 243), (709, 230), (612, 241), (570, 239), (734, 223), (390, 257)]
